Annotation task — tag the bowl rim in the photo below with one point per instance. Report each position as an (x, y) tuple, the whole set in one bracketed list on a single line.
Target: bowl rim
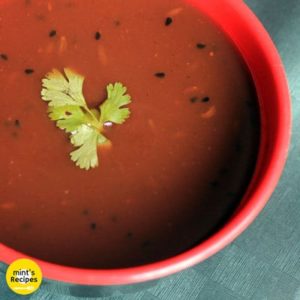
[(241, 220)]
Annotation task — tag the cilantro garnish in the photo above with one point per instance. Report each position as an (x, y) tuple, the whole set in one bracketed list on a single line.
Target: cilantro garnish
[(68, 108)]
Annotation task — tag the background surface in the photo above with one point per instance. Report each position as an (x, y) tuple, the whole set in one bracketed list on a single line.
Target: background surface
[(263, 263)]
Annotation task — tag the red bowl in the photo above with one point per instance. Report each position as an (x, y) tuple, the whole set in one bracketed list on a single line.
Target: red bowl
[(265, 65)]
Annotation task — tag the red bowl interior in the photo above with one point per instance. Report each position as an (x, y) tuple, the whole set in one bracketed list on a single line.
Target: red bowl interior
[(265, 65)]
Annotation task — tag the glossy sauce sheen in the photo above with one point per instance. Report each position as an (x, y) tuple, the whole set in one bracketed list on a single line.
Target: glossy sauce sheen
[(177, 168)]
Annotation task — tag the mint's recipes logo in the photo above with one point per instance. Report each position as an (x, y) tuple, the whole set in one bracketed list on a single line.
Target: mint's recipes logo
[(24, 276)]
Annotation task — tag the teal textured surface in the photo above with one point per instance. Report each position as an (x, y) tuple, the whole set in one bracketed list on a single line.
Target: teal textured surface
[(264, 262)]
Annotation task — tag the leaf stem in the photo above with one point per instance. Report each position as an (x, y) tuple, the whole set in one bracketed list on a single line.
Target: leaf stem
[(96, 123)]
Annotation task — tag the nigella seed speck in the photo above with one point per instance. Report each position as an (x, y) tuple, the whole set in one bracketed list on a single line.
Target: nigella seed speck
[(97, 36), (197, 99), (160, 75), (28, 71), (52, 33), (3, 56), (168, 21), (17, 123), (201, 46), (93, 226), (205, 99)]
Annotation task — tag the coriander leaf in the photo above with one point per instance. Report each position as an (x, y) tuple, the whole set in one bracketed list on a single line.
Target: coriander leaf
[(68, 117), (87, 139), (68, 108), (111, 110), (75, 85), (59, 90)]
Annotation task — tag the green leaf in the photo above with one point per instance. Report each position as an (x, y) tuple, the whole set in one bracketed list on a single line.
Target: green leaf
[(68, 108), (68, 117), (59, 90), (87, 139), (112, 109)]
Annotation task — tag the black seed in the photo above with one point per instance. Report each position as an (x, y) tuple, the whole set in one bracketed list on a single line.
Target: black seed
[(200, 46), (117, 23), (52, 33), (67, 113), (168, 21), (28, 71), (97, 35), (129, 235), (205, 99), (17, 123), (196, 99), (160, 75), (3, 56), (93, 226)]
